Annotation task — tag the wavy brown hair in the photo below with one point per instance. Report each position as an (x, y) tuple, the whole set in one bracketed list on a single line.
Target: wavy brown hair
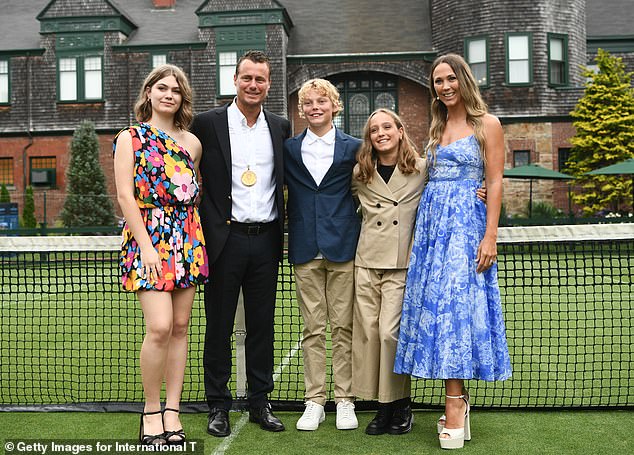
[(367, 156), (470, 93), (143, 107)]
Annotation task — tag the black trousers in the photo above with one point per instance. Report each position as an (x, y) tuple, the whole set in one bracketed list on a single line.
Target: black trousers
[(249, 260)]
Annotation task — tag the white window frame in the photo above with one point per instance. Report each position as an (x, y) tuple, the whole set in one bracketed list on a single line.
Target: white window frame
[(478, 61), (4, 81), (80, 78), (559, 57), (226, 70), (519, 65)]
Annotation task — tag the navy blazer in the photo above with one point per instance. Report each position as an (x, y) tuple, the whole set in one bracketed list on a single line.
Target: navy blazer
[(321, 219), (212, 129)]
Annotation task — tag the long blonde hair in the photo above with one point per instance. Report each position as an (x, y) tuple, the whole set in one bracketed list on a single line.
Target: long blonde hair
[(143, 107), (470, 93), (367, 156)]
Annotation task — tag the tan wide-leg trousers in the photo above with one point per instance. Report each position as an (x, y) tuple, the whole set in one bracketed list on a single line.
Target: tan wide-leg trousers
[(325, 292), (377, 317)]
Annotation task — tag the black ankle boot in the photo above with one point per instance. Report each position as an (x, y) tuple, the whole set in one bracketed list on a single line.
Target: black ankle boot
[(381, 422), (402, 418)]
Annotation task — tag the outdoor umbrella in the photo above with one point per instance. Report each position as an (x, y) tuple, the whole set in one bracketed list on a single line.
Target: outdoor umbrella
[(535, 172), (624, 167)]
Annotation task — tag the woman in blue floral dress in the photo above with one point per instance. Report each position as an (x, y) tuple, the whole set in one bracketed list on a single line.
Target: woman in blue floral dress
[(163, 255), (451, 324)]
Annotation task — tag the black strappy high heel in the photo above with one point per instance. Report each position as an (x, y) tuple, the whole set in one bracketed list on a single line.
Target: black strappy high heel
[(150, 439), (178, 434)]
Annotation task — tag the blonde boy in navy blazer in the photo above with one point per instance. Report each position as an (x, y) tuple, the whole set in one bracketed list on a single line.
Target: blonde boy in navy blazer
[(323, 230)]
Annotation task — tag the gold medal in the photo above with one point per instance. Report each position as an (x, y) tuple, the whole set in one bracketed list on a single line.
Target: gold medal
[(248, 178)]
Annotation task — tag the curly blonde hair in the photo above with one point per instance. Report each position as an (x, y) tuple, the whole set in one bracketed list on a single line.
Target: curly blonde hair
[(367, 156), (474, 104), (324, 88), (185, 113)]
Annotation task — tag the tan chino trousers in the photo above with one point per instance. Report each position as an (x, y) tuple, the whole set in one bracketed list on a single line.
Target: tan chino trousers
[(325, 293), (377, 317)]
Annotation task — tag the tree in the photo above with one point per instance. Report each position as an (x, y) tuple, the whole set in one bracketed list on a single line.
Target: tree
[(4, 194), (28, 212), (604, 121), (87, 202)]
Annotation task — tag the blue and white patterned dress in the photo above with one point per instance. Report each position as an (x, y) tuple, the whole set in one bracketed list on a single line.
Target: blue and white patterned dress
[(451, 324)]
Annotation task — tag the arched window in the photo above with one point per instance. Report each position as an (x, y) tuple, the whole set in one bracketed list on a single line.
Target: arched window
[(361, 94)]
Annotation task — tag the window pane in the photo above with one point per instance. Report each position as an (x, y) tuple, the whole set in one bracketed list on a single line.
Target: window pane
[(46, 162), (158, 60), (67, 64), (385, 100), (92, 78), (227, 68), (556, 49), (477, 51), (518, 47), (479, 71), (6, 171), (92, 64), (226, 80), (92, 89), (67, 86), (43, 172), (563, 155), (67, 79), (518, 72), (4, 66), (227, 58), (557, 73), (521, 158), (4, 88), (359, 110)]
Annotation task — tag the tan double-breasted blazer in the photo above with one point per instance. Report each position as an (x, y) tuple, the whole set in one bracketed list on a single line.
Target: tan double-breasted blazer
[(389, 214)]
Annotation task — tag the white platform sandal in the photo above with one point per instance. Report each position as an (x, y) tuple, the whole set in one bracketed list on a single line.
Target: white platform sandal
[(457, 436), (440, 424)]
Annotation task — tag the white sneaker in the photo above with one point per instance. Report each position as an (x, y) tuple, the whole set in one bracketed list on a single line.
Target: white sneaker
[(312, 417), (346, 418)]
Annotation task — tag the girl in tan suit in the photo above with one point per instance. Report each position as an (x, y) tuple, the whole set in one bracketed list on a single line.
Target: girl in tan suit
[(388, 180)]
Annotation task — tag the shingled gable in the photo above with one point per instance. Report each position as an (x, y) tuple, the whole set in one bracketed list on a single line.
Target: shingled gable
[(215, 6), (243, 12), (62, 16)]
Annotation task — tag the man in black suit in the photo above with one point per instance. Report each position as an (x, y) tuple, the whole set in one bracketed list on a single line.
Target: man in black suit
[(242, 212)]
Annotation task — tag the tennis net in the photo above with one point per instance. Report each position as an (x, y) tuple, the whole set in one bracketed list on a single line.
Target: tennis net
[(70, 338)]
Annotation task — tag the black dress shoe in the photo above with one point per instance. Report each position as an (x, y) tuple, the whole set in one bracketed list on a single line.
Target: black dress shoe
[(381, 422), (218, 423), (402, 417), (264, 416)]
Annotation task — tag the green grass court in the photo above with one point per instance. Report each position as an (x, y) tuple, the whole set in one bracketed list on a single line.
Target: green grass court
[(68, 336), (494, 432)]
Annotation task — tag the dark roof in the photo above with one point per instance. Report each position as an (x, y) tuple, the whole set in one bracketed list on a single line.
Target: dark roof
[(162, 26), (19, 24), (325, 27), (344, 27), (609, 18)]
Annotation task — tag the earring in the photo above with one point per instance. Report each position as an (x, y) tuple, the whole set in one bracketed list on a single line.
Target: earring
[(437, 98)]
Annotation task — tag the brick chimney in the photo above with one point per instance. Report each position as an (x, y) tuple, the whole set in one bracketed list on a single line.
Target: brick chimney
[(162, 4)]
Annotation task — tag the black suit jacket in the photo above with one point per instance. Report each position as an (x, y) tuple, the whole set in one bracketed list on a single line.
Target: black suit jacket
[(212, 129)]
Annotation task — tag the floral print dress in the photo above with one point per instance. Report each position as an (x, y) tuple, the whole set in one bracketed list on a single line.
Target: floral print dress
[(165, 187), (451, 324)]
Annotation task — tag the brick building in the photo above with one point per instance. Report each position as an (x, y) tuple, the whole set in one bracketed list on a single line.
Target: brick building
[(62, 61)]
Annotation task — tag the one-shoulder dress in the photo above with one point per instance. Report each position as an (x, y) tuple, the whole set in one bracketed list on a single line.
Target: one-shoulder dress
[(451, 323), (165, 187)]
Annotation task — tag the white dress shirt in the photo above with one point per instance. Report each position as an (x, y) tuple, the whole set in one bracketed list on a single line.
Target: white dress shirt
[(251, 148), (318, 153)]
